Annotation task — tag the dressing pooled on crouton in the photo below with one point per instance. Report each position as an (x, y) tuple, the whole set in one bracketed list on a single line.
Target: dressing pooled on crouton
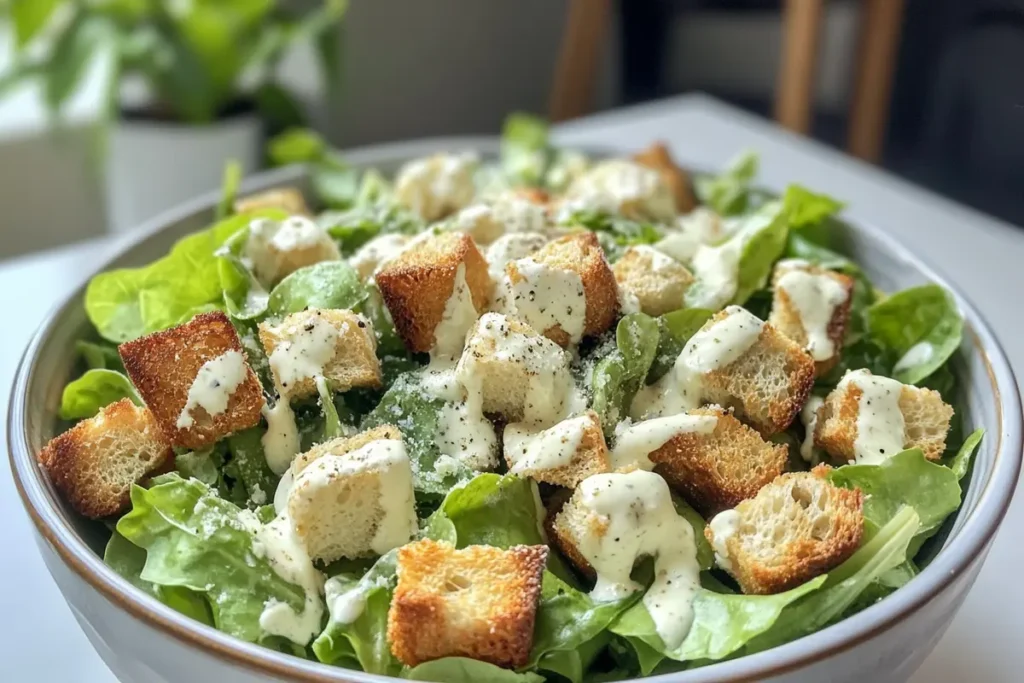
[(797, 527), (436, 186), (659, 282), (565, 454), (277, 249), (621, 186), (478, 602), (868, 419), (611, 521), (511, 247), (509, 212)]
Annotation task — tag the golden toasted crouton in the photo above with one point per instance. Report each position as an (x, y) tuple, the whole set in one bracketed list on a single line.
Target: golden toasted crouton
[(811, 306), (478, 602), (343, 445), (767, 385), (183, 371), (538, 284), (657, 157), (795, 528), (436, 186), (717, 470), (356, 503), (288, 199), (418, 285), (277, 249), (508, 212), (925, 419), (563, 455), (338, 345), (374, 254), (659, 282), (561, 534), (621, 186), (95, 463), (515, 372)]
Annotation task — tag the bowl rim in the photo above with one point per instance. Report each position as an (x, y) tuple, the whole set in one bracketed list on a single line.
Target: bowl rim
[(956, 558)]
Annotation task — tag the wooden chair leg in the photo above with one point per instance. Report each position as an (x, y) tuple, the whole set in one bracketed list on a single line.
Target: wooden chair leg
[(579, 58), (800, 39), (880, 28)]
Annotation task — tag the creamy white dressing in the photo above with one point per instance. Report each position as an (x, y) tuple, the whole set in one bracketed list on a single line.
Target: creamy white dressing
[(435, 186), (628, 301), (344, 606), (528, 449), (511, 247), (714, 346), (467, 435), (545, 297), (211, 390), (376, 253), (621, 186), (723, 526), (281, 440), (660, 262), (269, 240), (815, 298), (309, 345), (917, 354), (716, 270), (809, 418), (459, 315), (290, 561), (635, 441), (641, 520), (880, 425)]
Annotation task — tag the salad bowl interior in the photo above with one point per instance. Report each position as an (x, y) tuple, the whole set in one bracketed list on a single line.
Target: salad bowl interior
[(988, 399)]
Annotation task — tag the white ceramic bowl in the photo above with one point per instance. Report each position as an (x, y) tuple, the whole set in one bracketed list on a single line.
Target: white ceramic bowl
[(143, 641)]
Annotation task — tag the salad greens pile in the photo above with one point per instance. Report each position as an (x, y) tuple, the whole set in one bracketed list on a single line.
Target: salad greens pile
[(188, 539)]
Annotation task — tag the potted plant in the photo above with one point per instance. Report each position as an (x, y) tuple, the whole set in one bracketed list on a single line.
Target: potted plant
[(188, 83)]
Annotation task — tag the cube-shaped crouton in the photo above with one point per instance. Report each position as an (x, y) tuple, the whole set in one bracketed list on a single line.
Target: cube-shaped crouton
[(678, 181), (511, 247), (925, 417), (95, 463), (431, 289), (478, 602), (288, 199), (659, 282), (515, 372), (195, 380), (717, 469), (797, 527), (354, 504), (338, 345), (767, 385), (509, 212), (373, 255), (811, 306), (624, 187), (547, 289), (277, 249), (563, 455), (436, 186), (343, 445)]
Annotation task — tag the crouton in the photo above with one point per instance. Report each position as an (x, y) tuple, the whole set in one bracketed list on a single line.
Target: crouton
[(508, 212), (338, 345), (901, 417), (623, 187), (659, 282), (515, 372), (767, 385), (716, 470), (548, 289), (511, 247), (795, 528), (289, 199), (195, 380), (811, 306), (279, 248), (563, 455), (95, 463), (373, 255), (478, 602), (657, 157), (560, 534), (436, 186), (343, 445), (425, 289), (354, 504)]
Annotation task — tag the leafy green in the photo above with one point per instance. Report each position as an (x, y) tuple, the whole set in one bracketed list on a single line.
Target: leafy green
[(619, 375), (807, 208), (675, 329), (199, 465), (250, 463), (355, 227), (921, 324), (705, 554), (296, 146), (961, 462), (245, 297), (764, 235), (94, 390), (463, 670), (99, 355), (229, 190), (614, 232), (471, 510), (728, 193), (524, 148), (196, 540), (331, 284)]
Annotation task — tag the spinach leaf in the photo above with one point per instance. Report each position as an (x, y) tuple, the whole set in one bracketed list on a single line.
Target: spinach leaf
[(806, 208), (921, 324), (463, 670), (196, 540), (357, 226), (331, 284), (618, 376), (96, 389), (524, 149), (675, 329), (728, 193), (245, 297)]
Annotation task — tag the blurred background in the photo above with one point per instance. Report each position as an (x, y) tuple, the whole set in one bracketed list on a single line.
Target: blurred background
[(113, 110)]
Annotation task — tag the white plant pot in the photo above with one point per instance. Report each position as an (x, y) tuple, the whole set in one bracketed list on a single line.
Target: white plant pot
[(153, 166)]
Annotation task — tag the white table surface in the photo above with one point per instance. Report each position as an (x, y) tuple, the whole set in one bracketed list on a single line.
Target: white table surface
[(985, 256)]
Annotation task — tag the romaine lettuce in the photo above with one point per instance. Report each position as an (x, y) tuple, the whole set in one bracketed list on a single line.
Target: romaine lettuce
[(728, 193), (675, 328), (618, 376)]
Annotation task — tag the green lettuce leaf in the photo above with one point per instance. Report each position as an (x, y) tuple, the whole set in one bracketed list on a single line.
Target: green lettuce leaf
[(463, 670), (961, 462), (765, 234), (196, 540), (473, 508), (99, 355), (675, 329), (728, 193), (331, 284), (85, 396), (922, 325), (615, 233), (619, 375), (806, 208), (357, 226), (250, 464), (245, 297), (524, 149)]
